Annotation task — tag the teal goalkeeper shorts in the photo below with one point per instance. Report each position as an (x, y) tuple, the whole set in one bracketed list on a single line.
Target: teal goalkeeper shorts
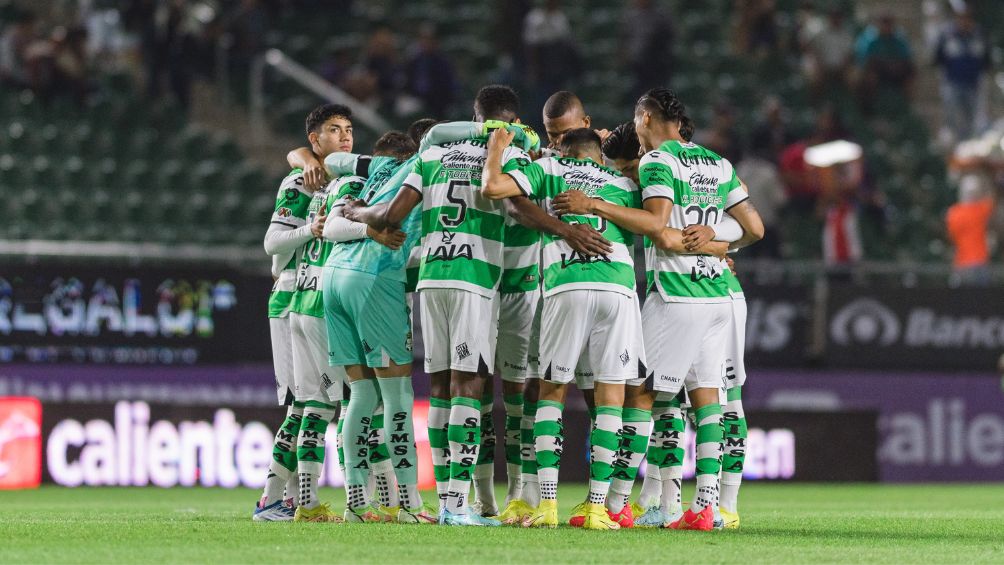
[(368, 318)]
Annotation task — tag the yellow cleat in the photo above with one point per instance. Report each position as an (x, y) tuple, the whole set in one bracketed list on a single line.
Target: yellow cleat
[(320, 513), (578, 515), (731, 519), (545, 516), (387, 513), (636, 509), (515, 512), (598, 519)]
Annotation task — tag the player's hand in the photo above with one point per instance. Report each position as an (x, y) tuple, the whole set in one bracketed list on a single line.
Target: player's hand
[(314, 176), (586, 240), (317, 227), (731, 264), (573, 202), (696, 235), (389, 237), (351, 208), (500, 139)]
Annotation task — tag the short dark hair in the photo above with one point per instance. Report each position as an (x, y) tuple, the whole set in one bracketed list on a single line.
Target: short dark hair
[(496, 102), (666, 105), (419, 127), (325, 112), (577, 140), (622, 143), (560, 103), (395, 144)]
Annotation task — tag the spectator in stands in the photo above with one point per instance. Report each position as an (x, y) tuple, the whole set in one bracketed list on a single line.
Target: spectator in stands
[(966, 223), (551, 54), (963, 54), (771, 134), (800, 187), (647, 38), (828, 53), (756, 28), (15, 45), (759, 172), (884, 62), (430, 75), (381, 60), (168, 36)]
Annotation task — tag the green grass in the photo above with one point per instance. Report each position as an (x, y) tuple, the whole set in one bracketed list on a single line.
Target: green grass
[(780, 524)]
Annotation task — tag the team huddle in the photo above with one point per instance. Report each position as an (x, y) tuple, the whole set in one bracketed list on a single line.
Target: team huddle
[(522, 261)]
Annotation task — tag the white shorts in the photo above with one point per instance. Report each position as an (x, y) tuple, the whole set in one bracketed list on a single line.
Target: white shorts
[(685, 343), (590, 336), (282, 359), (314, 379), (519, 320), (459, 329), (735, 354)]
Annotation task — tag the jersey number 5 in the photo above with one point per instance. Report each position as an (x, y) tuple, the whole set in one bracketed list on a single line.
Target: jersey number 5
[(452, 196)]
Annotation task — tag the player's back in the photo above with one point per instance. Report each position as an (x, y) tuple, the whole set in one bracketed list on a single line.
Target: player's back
[(462, 230)]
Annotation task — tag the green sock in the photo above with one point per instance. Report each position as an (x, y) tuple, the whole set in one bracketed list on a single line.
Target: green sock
[(734, 455), (340, 437), (465, 442), (548, 439), (710, 435), (399, 430), (283, 464), (668, 456), (484, 471), (513, 464), (310, 449), (438, 422), (603, 444), (635, 431), (530, 488)]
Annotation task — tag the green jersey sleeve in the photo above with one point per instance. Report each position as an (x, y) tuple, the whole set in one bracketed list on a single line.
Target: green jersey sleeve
[(734, 193), (514, 162), (292, 201), (656, 177)]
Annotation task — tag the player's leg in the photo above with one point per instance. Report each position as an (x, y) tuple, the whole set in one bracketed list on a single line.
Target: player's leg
[(358, 424), (734, 455), (703, 386), (381, 468), (548, 438), (512, 396), (484, 470), (635, 433), (282, 468), (437, 363)]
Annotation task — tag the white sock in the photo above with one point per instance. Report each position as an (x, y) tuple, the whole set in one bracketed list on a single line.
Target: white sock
[(651, 489)]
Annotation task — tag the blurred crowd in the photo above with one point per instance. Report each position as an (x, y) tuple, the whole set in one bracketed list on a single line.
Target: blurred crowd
[(849, 65)]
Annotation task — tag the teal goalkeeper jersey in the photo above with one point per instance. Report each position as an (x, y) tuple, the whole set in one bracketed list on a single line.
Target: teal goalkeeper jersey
[(564, 268), (386, 177), (307, 298)]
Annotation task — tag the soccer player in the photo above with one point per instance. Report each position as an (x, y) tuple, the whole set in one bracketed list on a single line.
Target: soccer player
[(458, 279), (734, 454), (329, 129), (563, 112), (590, 320), (687, 293)]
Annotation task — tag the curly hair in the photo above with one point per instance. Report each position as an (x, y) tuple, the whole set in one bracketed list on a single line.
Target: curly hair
[(664, 103), (622, 143)]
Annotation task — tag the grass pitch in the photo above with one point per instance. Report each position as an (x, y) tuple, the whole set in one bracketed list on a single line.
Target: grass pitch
[(780, 524)]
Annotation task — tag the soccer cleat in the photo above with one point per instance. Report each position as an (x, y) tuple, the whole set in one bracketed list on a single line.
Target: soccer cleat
[(469, 519), (703, 520), (624, 518), (480, 509), (718, 523), (275, 512), (654, 517), (578, 515), (545, 516), (731, 519), (636, 509), (386, 513), (423, 515), (515, 512), (598, 518), (321, 513), (362, 515)]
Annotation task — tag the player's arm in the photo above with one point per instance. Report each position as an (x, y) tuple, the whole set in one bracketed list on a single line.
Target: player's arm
[(730, 229), (673, 239), (580, 237), (339, 228), (495, 184), (303, 158), (648, 220), (387, 215), (448, 132), (288, 228)]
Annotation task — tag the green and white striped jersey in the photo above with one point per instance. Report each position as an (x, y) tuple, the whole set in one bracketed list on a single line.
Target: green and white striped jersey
[(520, 258), (702, 186), (732, 282), (462, 231), (290, 210), (565, 269), (307, 296)]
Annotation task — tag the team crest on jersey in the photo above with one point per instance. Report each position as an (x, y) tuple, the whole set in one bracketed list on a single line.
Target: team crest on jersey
[(284, 212), (705, 269), (292, 195), (654, 174)]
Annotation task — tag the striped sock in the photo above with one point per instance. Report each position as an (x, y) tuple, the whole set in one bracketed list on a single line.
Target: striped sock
[(548, 438), (310, 450), (513, 433), (635, 431), (484, 471), (439, 422), (670, 463), (340, 435), (465, 441), (651, 487), (734, 455), (283, 464), (603, 443), (708, 453), (530, 488)]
